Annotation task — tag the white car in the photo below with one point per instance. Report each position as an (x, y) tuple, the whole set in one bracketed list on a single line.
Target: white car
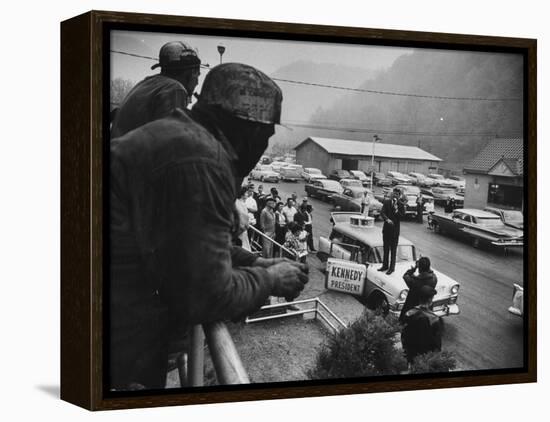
[(264, 173), (361, 244), (399, 178), (359, 175), (517, 301), (441, 181), (349, 183), (311, 173)]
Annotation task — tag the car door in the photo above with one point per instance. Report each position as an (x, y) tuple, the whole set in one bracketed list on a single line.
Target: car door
[(346, 199)]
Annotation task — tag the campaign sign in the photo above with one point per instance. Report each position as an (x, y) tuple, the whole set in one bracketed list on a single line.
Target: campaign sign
[(345, 276)]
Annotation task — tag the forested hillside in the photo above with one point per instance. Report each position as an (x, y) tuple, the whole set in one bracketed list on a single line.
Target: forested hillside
[(423, 121)]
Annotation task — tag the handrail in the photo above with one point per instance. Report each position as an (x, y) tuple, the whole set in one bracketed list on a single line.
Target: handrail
[(277, 244), (226, 359)]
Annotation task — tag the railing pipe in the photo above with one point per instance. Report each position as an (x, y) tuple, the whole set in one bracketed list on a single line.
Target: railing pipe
[(226, 359), (196, 357)]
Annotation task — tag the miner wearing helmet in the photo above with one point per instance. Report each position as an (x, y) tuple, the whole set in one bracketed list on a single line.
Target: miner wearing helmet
[(157, 95), (173, 185)]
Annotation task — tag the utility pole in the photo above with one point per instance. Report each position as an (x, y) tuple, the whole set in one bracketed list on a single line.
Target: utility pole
[(375, 139)]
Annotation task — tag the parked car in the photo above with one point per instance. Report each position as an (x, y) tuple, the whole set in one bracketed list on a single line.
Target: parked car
[(277, 165), (348, 183), (340, 174), (310, 173), (351, 198), (479, 227), (359, 175), (264, 173), (398, 178), (420, 180), (290, 174), (441, 195), (440, 180), (323, 189), (517, 301), (380, 179), (458, 181), (512, 218), (411, 192), (364, 245)]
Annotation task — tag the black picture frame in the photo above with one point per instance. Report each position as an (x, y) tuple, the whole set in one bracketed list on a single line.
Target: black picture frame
[(84, 126)]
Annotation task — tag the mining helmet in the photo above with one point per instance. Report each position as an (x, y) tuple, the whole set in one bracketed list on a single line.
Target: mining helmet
[(244, 92), (177, 55)]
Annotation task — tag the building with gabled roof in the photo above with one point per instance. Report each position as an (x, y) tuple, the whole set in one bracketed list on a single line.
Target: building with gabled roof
[(495, 176), (328, 154)]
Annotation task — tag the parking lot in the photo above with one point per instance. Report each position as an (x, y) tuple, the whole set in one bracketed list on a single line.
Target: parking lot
[(485, 335)]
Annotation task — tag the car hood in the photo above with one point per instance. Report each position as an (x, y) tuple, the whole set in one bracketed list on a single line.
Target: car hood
[(443, 287)]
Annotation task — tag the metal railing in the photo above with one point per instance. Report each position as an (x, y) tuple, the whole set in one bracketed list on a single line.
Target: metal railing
[(257, 245), (318, 310), (225, 357)]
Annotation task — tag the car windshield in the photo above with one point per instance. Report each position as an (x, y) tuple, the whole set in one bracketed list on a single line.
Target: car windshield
[(404, 253), (413, 190), (352, 183), (489, 221), (435, 176), (332, 185), (266, 168), (313, 171), (513, 215)]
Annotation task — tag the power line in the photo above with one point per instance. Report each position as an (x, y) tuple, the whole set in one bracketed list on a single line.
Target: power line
[(369, 91), (205, 66), (399, 132), (400, 94)]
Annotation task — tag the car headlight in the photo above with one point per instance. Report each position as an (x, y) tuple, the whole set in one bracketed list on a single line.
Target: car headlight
[(454, 289), (403, 294)]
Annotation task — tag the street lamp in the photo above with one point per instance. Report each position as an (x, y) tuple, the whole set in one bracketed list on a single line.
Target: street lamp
[(375, 139), (221, 50)]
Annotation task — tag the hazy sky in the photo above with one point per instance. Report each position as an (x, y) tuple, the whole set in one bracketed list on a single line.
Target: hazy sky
[(266, 55)]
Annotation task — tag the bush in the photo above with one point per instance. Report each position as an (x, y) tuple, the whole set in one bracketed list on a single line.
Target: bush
[(366, 348), (433, 362)]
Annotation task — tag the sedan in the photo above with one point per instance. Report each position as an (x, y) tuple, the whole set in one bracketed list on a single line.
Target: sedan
[(399, 178), (512, 218), (323, 189), (479, 227), (340, 174), (310, 173), (352, 198), (264, 173)]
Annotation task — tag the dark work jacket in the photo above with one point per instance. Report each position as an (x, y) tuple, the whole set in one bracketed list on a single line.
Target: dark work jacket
[(414, 283), (421, 333), (151, 99), (171, 216)]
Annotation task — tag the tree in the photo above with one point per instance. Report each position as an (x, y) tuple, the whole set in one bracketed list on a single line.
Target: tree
[(366, 348)]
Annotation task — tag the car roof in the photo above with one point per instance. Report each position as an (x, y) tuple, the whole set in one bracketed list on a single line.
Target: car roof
[(371, 236), (477, 213)]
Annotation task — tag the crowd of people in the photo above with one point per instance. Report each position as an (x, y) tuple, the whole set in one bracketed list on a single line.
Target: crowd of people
[(287, 228)]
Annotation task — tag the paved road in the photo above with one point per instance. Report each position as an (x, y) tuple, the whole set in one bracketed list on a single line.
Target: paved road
[(484, 335)]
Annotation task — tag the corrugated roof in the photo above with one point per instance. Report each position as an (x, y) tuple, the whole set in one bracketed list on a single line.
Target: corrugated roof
[(508, 149), (347, 147)]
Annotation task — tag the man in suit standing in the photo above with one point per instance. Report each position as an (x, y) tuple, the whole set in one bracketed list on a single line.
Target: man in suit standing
[(392, 211)]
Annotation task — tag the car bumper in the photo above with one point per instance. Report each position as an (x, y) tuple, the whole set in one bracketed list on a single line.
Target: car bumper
[(508, 244), (446, 310), (515, 311)]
